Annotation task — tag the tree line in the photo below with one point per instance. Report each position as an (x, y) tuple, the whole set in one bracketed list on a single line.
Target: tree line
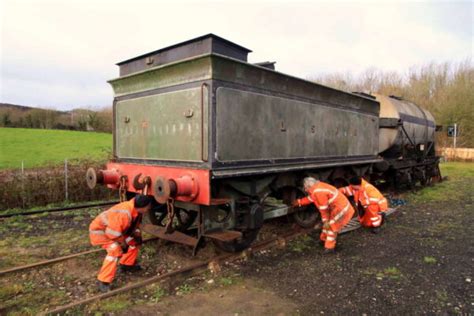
[(78, 119)]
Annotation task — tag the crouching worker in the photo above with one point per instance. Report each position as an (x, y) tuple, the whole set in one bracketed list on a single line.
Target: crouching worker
[(116, 230), (371, 203), (336, 210)]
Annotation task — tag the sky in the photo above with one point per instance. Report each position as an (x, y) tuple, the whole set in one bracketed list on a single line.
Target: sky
[(60, 53)]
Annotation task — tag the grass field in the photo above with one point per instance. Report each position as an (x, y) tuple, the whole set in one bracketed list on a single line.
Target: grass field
[(458, 174), (38, 147)]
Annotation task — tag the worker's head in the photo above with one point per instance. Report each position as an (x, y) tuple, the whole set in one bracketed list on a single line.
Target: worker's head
[(355, 181), (142, 203), (308, 182)]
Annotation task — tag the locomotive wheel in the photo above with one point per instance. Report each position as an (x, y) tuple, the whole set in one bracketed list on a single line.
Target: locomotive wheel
[(183, 218), (306, 216), (248, 236)]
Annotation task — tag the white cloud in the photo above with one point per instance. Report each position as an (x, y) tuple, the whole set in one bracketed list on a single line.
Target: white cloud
[(62, 52)]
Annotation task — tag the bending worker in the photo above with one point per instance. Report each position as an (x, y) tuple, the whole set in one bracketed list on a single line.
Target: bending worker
[(116, 230), (371, 203), (336, 210)]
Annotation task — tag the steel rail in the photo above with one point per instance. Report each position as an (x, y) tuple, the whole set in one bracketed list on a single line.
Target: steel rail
[(59, 209), (191, 268), (351, 226), (58, 259)]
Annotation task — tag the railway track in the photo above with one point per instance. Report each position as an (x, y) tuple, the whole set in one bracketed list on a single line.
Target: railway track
[(59, 209), (55, 260), (190, 269), (352, 225)]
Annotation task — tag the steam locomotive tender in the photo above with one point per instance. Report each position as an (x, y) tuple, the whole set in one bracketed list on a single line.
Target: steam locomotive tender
[(224, 143)]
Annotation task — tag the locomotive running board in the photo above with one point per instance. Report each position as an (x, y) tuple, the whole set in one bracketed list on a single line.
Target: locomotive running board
[(355, 224), (175, 236)]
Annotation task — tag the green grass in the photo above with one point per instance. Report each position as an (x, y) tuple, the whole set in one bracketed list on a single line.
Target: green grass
[(115, 304), (184, 289), (429, 260), (301, 244), (38, 147), (392, 273), (458, 173), (158, 294)]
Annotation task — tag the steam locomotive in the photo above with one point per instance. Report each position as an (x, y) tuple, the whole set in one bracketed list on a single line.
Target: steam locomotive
[(223, 144)]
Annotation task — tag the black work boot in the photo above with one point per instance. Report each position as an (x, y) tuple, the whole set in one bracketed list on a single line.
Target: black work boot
[(375, 230), (134, 268), (104, 287), (329, 251)]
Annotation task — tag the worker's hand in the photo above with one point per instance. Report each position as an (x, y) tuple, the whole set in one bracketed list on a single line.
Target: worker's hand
[(124, 247), (326, 225), (296, 203), (138, 240)]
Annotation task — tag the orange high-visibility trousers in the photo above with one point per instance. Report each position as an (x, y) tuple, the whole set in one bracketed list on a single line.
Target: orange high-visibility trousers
[(114, 255), (371, 217), (331, 229)]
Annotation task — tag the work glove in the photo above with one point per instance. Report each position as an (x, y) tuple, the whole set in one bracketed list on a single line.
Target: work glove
[(326, 225), (138, 240), (124, 247), (296, 203)]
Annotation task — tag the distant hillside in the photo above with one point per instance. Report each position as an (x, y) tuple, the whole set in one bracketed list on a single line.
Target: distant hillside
[(15, 106), (13, 115)]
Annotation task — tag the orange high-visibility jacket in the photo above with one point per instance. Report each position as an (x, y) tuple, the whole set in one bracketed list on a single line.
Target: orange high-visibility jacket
[(113, 223), (366, 195), (331, 204)]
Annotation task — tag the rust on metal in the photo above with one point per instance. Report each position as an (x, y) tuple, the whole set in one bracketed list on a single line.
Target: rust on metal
[(58, 259), (220, 201), (175, 236), (164, 189), (92, 178), (224, 235), (140, 184), (59, 209), (46, 262)]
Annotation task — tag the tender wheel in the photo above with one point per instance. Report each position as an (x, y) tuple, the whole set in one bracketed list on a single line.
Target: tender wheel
[(248, 236), (183, 219), (306, 216)]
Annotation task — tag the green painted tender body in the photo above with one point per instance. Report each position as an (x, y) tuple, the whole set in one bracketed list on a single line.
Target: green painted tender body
[(219, 113)]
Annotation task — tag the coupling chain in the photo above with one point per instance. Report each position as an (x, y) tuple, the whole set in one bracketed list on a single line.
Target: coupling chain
[(170, 215), (123, 189)]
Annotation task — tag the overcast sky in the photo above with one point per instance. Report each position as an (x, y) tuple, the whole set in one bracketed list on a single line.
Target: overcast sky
[(59, 53)]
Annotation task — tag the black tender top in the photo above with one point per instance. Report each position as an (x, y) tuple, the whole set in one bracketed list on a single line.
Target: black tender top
[(205, 44)]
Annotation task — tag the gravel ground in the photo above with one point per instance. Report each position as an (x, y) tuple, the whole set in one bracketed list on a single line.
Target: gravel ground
[(421, 262)]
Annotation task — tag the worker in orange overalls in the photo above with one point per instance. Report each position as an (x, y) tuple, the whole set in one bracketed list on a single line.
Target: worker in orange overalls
[(116, 230), (336, 210), (371, 203)]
